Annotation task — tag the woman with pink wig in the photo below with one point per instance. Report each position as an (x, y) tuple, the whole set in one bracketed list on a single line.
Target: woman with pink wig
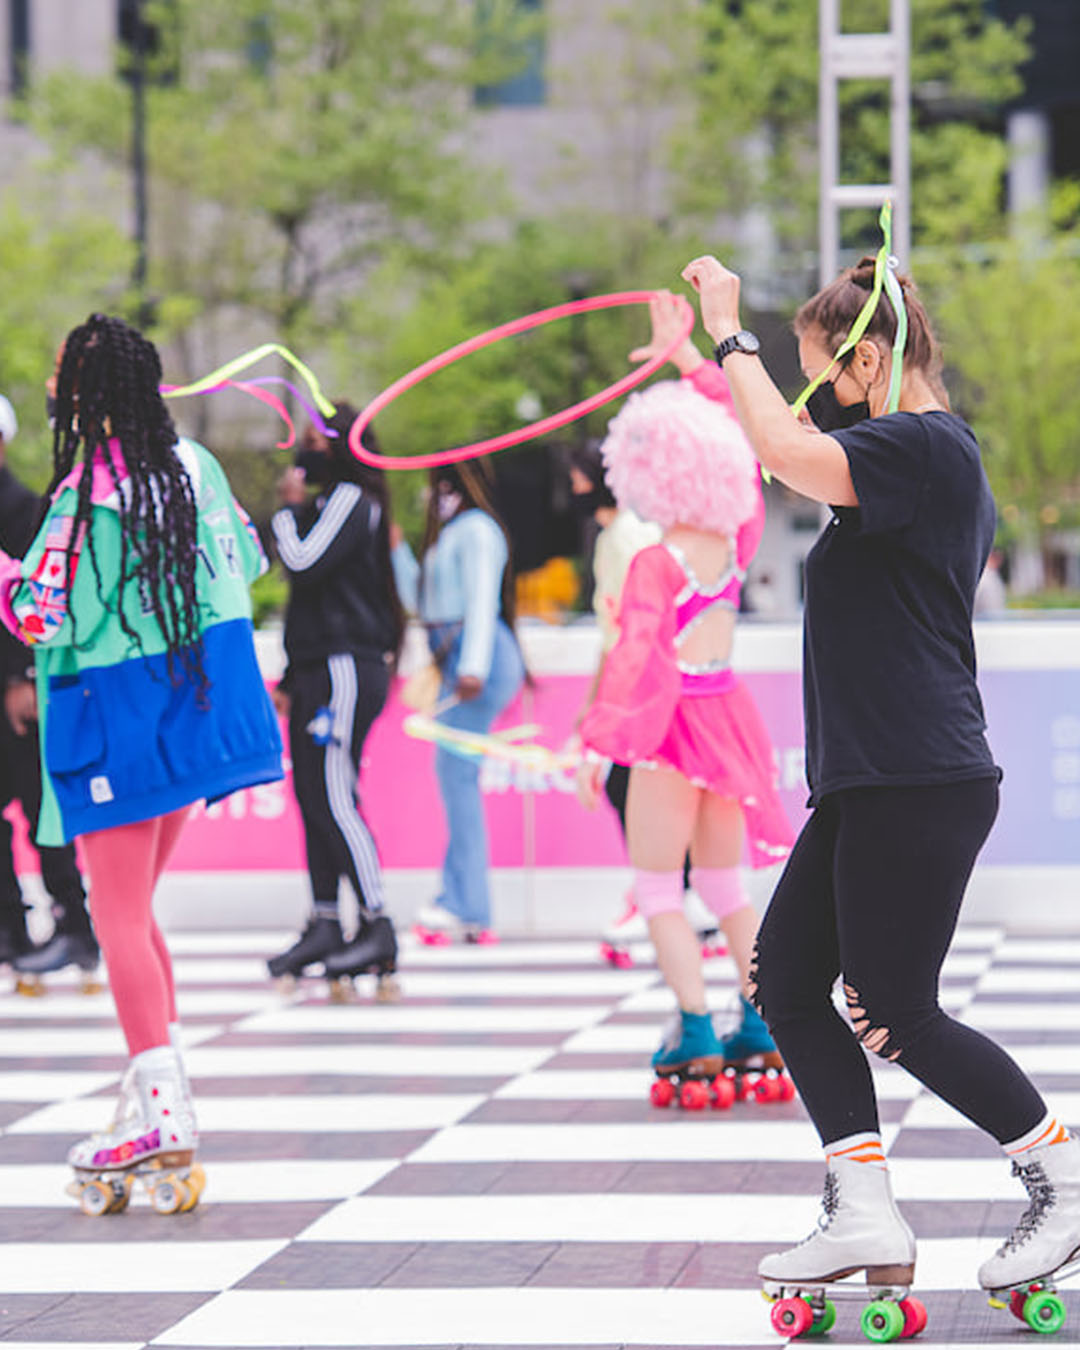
[(669, 705)]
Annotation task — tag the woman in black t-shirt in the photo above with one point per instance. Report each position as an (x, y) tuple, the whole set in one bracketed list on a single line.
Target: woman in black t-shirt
[(903, 788)]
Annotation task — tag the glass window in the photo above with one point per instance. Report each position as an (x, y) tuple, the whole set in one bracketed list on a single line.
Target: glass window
[(526, 88)]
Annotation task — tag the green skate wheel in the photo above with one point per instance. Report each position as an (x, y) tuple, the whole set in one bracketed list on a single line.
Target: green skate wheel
[(882, 1320), (1044, 1312), (822, 1325)]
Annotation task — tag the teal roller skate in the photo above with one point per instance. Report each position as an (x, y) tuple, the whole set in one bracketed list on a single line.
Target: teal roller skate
[(752, 1061), (689, 1058)]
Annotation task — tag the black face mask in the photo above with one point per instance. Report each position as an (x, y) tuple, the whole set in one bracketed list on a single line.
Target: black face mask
[(318, 467), (829, 414)]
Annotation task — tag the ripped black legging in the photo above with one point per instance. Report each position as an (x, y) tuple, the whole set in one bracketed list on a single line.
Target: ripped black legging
[(872, 890)]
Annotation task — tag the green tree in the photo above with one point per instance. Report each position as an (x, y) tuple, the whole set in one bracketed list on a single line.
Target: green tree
[(754, 140), (54, 275), (291, 143), (1011, 326)]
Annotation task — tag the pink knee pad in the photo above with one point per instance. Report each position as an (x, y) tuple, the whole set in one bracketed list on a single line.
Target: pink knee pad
[(720, 888), (658, 893)]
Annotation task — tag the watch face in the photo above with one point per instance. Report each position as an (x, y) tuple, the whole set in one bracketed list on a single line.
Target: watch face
[(747, 342)]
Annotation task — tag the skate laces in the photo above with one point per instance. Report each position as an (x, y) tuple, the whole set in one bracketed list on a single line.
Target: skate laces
[(830, 1203), (1040, 1191)]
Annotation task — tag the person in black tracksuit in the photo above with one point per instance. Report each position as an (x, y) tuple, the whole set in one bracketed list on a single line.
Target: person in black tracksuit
[(72, 940), (343, 629)]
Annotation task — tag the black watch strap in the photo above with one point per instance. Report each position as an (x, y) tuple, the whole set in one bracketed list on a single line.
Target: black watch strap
[(738, 342)]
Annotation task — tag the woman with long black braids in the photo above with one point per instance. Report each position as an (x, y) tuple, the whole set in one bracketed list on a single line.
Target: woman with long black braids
[(134, 597), (343, 631)]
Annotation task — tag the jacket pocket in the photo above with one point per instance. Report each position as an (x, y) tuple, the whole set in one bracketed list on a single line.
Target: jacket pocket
[(74, 729)]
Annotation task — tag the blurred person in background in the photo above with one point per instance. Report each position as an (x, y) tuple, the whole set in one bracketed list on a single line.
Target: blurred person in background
[(344, 626), (462, 589), (991, 596), (72, 941)]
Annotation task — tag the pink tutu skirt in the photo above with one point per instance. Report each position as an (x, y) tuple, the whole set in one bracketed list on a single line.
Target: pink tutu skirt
[(719, 742)]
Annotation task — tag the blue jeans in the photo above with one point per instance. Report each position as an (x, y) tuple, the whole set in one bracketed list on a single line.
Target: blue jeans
[(465, 868)]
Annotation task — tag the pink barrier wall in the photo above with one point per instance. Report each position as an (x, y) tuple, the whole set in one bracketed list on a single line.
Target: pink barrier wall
[(528, 813)]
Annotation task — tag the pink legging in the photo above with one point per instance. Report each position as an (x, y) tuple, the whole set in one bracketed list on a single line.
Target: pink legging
[(124, 865)]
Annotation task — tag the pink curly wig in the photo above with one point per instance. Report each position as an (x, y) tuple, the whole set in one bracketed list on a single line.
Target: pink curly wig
[(678, 458)]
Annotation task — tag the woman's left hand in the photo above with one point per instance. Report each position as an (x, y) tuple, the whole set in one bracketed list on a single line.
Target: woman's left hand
[(469, 687), (718, 290)]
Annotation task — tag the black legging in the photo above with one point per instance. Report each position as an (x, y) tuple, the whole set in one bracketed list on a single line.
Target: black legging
[(872, 890)]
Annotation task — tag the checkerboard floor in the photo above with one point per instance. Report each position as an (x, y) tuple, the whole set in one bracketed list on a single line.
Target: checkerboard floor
[(479, 1165)]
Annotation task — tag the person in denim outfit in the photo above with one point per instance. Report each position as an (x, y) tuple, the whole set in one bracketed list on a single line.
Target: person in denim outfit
[(462, 589)]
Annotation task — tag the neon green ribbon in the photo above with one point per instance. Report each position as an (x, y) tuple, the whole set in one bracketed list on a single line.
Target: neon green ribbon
[(239, 363), (884, 279)]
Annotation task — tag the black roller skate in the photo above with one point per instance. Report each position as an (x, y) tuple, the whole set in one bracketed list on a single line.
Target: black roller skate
[(372, 951), (14, 939), (72, 944), (320, 939)]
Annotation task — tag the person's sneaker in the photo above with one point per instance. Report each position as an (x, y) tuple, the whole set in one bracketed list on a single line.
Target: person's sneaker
[(1048, 1233)]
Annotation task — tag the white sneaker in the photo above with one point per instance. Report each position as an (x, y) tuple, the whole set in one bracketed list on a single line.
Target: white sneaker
[(860, 1228), (1048, 1234)]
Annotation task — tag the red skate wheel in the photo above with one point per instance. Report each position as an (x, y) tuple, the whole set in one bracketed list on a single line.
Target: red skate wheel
[(791, 1316), (1017, 1299), (914, 1317), (787, 1089), (694, 1096), (767, 1089), (662, 1092), (723, 1093)]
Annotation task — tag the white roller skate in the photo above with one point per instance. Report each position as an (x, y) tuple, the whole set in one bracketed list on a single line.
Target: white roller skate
[(1044, 1247), (152, 1138), (616, 940), (437, 927), (705, 924), (860, 1231)]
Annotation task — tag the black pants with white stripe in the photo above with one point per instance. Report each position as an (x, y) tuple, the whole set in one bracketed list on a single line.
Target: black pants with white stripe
[(334, 703)]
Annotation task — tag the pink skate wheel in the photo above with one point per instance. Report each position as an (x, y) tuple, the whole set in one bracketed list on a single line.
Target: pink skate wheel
[(432, 937), (662, 1092), (485, 938), (791, 1317), (694, 1096), (766, 1089), (914, 1317), (723, 1094)]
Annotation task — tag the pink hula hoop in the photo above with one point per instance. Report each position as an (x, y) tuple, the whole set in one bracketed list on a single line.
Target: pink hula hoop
[(545, 424)]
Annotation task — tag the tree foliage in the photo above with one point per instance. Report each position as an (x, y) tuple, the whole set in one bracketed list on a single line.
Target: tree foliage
[(755, 140), (1011, 325)]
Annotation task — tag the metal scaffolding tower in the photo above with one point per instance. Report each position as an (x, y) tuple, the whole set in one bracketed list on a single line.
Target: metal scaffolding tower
[(863, 56)]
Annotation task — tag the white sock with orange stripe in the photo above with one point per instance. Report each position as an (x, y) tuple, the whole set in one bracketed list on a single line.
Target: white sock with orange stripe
[(1048, 1131), (865, 1148)]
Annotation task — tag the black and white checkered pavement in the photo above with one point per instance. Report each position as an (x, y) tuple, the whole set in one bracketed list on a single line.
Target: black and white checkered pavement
[(479, 1164)]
